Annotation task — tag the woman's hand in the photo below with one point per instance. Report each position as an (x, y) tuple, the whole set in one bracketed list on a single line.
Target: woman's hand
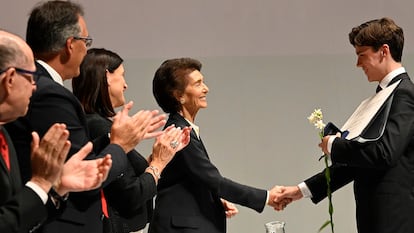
[(230, 209), (165, 146)]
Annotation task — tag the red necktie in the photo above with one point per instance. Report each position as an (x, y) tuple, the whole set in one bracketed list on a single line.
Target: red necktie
[(4, 149), (104, 205)]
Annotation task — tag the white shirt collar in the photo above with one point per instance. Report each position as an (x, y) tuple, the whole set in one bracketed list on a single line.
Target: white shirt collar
[(387, 79), (55, 75)]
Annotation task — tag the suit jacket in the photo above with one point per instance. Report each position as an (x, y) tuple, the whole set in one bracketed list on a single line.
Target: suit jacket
[(52, 103), (21, 209), (382, 170), (129, 197), (190, 189)]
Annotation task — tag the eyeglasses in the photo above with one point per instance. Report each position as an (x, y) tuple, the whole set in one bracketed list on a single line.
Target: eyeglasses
[(31, 77), (88, 40)]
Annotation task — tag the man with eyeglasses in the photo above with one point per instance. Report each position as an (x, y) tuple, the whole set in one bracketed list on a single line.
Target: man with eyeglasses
[(59, 54), (27, 74), (23, 208), (88, 40)]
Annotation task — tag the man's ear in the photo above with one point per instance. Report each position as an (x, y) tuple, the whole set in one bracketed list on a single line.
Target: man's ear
[(8, 81), (67, 51), (69, 45), (385, 49)]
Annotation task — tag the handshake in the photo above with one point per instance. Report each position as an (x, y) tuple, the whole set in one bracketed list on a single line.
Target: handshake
[(281, 196)]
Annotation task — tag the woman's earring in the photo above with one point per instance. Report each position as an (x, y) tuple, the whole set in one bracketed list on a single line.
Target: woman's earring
[(182, 101)]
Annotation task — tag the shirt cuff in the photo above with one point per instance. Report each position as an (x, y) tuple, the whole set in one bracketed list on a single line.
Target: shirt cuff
[(330, 142), (38, 190), (267, 198), (305, 190)]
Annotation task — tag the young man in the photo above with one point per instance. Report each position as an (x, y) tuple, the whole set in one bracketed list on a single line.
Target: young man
[(382, 167)]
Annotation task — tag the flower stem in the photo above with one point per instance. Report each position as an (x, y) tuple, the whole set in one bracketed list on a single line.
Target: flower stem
[(329, 192)]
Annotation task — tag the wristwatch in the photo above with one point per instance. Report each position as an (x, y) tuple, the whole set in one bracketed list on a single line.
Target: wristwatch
[(57, 199)]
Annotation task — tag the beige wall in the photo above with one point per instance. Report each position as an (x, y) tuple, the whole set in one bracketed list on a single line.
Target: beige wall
[(268, 65)]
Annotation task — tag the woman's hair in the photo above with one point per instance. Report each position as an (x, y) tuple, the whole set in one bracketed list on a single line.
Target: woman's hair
[(170, 81), (91, 86)]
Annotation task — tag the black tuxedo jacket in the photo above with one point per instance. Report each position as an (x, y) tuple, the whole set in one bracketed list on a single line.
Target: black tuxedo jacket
[(52, 103), (190, 189), (382, 170), (130, 196), (21, 209)]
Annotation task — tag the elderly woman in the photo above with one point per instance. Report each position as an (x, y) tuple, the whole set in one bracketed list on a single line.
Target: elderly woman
[(100, 88), (192, 193)]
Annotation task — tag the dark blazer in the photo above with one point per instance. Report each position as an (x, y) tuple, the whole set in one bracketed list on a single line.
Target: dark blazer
[(129, 197), (190, 189), (52, 103), (382, 170), (21, 209)]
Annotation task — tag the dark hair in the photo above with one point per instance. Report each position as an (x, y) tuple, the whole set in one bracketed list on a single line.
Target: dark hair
[(91, 86), (50, 24), (378, 32), (169, 81)]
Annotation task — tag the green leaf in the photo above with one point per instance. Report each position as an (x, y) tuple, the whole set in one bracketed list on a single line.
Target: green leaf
[(324, 225)]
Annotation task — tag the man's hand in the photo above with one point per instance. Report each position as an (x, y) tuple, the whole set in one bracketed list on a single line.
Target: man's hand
[(48, 155), (82, 175), (324, 143), (273, 194), (285, 196)]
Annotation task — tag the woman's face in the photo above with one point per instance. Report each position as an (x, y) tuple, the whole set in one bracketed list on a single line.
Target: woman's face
[(117, 86), (194, 96)]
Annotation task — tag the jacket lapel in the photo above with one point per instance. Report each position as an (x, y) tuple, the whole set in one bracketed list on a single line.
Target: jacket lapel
[(45, 74)]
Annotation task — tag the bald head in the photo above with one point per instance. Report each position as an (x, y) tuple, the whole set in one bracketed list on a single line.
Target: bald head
[(13, 51), (15, 89)]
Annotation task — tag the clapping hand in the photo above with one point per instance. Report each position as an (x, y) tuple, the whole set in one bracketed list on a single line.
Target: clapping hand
[(82, 175), (127, 131), (48, 155)]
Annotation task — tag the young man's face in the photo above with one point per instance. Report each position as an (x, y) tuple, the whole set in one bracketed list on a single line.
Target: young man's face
[(371, 62)]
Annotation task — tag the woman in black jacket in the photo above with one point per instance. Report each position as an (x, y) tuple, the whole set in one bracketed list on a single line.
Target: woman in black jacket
[(100, 88)]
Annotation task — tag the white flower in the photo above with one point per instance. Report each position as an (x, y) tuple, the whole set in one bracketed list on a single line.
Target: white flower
[(320, 125), (315, 116)]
